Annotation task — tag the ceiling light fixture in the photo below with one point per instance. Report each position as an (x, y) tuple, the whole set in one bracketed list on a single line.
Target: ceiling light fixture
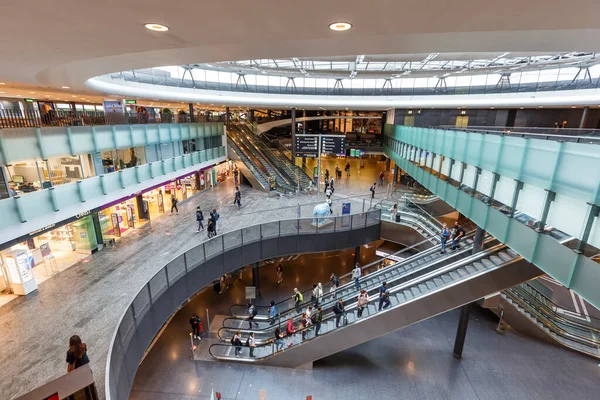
[(2, 83), (340, 26), (66, 87), (156, 27)]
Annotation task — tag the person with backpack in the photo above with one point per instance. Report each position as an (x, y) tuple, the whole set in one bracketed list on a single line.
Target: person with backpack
[(445, 235), (363, 300), (214, 215), (372, 189), (356, 273), (334, 283), (272, 312), (251, 314), (195, 323), (236, 340), (339, 311), (290, 331), (279, 273), (237, 197), (316, 320), (384, 297), (328, 193), (278, 340), (298, 299), (251, 343), (174, 202), (199, 218)]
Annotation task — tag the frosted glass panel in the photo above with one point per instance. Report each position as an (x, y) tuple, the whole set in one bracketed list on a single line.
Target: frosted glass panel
[(539, 162), (567, 215), (531, 200), (485, 182), (578, 171), (446, 166), (594, 238), (469, 176), (505, 189), (456, 171)]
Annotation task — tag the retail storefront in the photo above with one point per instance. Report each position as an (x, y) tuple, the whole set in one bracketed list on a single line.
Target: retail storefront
[(32, 259)]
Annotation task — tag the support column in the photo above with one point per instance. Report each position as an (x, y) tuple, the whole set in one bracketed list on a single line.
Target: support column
[(304, 122), (191, 109), (396, 174), (256, 278), (293, 136), (227, 117), (478, 240), (357, 255), (583, 117), (388, 164)]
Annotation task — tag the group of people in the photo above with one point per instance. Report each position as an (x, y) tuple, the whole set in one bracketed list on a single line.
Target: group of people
[(453, 235), (213, 218)]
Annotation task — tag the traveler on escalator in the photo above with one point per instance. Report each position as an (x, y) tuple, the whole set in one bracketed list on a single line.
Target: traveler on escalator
[(445, 235), (289, 330), (298, 299), (251, 314), (278, 340), (334, 283), (236, 340), (457, 233), (384, 296), (272, 312), (339, 311), (317, 294), (316, 320), (363, 300), (251, 343), (304, 324), (356, 273)]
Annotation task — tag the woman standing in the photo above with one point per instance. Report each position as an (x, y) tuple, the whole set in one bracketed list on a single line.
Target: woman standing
[(77, 353), (237, 341)]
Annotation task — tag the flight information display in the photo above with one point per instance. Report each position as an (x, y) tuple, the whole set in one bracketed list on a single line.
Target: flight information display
[(307, 145), (333, 145)]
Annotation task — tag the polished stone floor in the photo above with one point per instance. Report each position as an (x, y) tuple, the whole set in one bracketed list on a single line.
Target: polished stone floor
[(413, 363), (89, 298)]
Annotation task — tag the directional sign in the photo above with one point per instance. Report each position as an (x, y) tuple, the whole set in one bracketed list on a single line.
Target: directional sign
[(333, 145), (307, 145)]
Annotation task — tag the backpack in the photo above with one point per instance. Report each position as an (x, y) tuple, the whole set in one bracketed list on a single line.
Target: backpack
[(336, 281), (248, 342), (254, 312), (199, 216), (313, 318), (233, 340)]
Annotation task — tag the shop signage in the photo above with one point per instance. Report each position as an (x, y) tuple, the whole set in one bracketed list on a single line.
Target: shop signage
[(83, 214), (130, 217), (161, 204), (29, 100), (115, 222), (44, 229), (45, 250), (130, 102)]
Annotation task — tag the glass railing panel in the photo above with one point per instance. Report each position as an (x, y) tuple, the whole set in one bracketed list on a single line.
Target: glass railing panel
[(91, 187), (269, 230), (232, 239), (66, 195), (251, 234), (34, 205), (158, 284), (213, 247)]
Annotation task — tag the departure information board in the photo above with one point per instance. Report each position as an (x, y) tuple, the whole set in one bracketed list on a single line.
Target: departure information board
[(333, 145), (307, 145)]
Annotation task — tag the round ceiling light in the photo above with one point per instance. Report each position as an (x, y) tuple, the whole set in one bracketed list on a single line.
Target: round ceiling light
[(340, 26), (157, 27)]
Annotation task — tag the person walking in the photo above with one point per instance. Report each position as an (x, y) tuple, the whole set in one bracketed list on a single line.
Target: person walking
[(76, 354), (237, 197), (298, 299), (235, 177), (210, 228), (272, 312), (199, 218), (334, 283), (326, 174), (326, 184), (236, 340), (445, 234), (381, 175), (290, 331), (319, 293), (328, 193), (347, 169), (214, 215), (356, 274), (363, 300), (251, 314), (384, 296), (278, 340), (279, 273), (457, 233), (316, 319), (339, 311), (313, 296), (195, 323), (331, 186), (372, 189), (251, 343), (174, 202)]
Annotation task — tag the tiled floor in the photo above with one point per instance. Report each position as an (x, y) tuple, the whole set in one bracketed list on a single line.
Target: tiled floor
[(89, 298)]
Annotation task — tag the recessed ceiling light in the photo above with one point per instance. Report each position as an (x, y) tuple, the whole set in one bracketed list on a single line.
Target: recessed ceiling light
[(66, 87), (2, 83), (340, 26), (573, 106), (19, 95), (73, 96), (31, 92), (2, 92), (157, 27)]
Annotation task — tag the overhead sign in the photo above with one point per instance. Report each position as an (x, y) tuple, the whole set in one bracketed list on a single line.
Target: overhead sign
[(333, 144), (130, 101), (29, 100), (307, 145)]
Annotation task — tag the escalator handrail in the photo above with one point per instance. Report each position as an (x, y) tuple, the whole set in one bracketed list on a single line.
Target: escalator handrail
[(255, 162), (416, 281)]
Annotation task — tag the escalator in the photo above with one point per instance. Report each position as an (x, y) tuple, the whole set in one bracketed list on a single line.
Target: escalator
[(538, 312), (249, 168), (415, 217), (396, 274), (417, 293)]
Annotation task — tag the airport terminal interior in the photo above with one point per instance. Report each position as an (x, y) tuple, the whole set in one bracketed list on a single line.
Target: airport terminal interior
[(336, 200)]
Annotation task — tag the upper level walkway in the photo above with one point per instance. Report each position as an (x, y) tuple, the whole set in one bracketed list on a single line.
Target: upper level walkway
[(528, 193), (89, 298)]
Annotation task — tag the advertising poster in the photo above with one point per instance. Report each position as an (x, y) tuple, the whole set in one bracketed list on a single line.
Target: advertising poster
[(161, 204), (130, 223), (115, 223), (113, 106), (346, 218)]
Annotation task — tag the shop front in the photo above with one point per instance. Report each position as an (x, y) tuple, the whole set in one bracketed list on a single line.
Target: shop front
[(121, 218), (31, 260)]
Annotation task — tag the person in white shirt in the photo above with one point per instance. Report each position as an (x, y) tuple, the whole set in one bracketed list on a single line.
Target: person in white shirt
[(251, 344), (356, 274), (363, 299)]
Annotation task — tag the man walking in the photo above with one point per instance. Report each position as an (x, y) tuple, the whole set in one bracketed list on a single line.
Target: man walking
[(214, 215), (356, 273), (251, 314), (238, 197), (298, 299), (457, 233), (195, 324), (381, 175), (339, 311), (372, 189), (199, 218), (174, 204), (384, 296)]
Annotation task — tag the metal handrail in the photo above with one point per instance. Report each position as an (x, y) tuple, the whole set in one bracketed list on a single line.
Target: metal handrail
[(541, 136)]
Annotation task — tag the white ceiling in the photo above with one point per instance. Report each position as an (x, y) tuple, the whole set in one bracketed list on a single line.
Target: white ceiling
[(65, 45)]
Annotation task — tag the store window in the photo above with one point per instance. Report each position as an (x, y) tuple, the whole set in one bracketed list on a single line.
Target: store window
[(120, 219), (115, 160)]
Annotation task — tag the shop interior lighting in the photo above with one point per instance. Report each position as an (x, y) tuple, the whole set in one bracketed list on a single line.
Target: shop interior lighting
[(156, 27), (340, 26), (66, 87)]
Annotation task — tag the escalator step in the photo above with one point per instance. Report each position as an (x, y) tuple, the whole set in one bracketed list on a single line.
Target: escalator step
[(394, 300), (487, 263), (505, 256), (401, 297), (438, 281), (415, 291), (512, 253), (372, 309), (478, 266), (423, 288), (430, 284), (462, 272), (454, 275), (470, 269), (408, 294), (496, 260), (446, 278)]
